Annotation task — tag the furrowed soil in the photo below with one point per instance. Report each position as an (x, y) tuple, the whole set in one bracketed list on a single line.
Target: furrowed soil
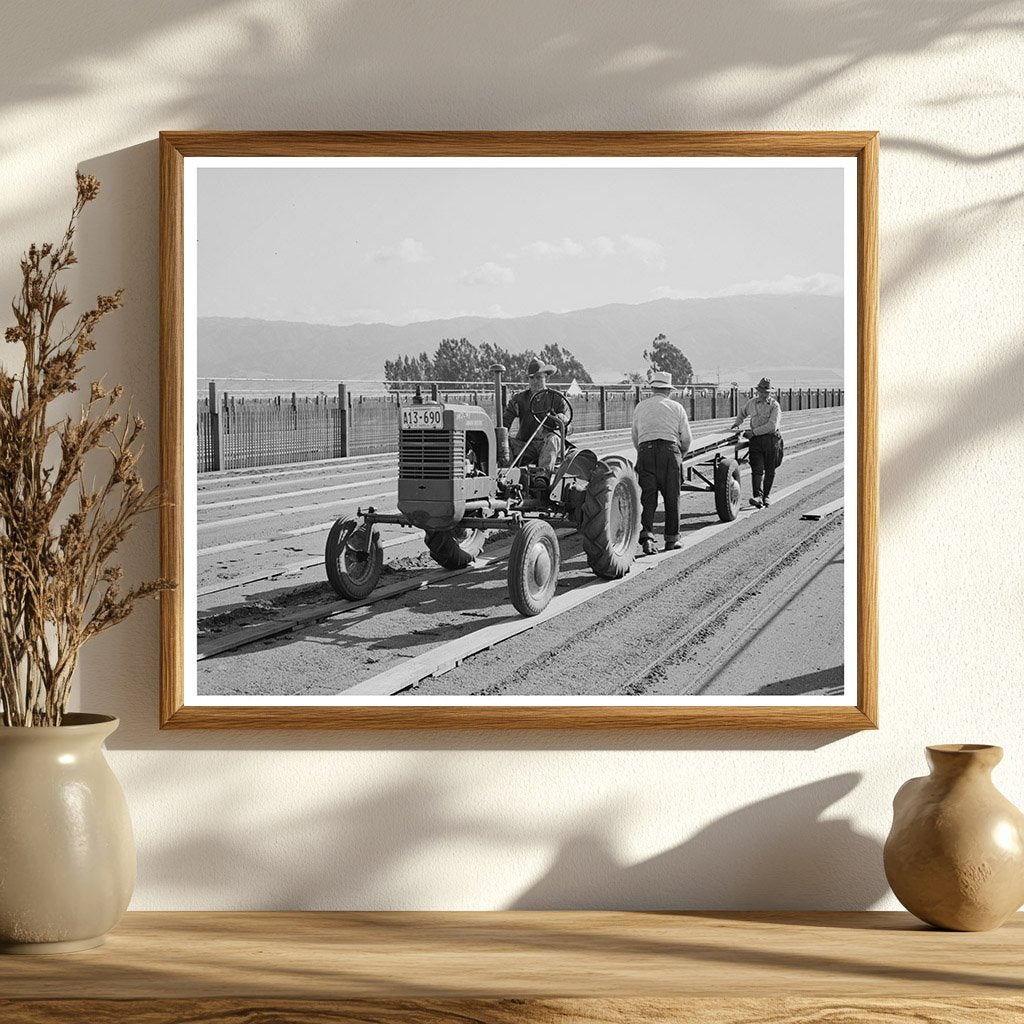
[(783, 639)]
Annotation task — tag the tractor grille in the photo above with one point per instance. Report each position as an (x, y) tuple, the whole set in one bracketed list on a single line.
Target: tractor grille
[(432, 455)]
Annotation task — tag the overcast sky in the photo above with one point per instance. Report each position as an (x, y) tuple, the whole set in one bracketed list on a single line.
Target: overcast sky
[(343, 245)]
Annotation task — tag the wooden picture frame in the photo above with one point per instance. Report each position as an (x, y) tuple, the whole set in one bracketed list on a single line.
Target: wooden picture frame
[(177, 149)]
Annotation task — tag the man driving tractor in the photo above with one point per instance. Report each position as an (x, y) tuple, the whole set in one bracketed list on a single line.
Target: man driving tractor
[(546, 448)]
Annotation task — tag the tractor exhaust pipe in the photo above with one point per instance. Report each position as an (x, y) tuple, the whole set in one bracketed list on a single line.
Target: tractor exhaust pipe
[(500, 431)]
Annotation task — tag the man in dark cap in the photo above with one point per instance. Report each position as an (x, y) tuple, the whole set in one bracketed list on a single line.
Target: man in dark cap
[(765, 419), (546, 448)]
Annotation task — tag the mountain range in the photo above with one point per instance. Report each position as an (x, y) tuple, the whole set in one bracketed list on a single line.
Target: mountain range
[(790, 338)]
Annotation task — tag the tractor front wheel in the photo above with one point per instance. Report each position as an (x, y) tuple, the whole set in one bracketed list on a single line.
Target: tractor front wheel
[(533, 567), (455, 549), (611, 519), (353, 557)]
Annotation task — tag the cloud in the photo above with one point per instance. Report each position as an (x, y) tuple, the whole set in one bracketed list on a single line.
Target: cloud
[(814, 284), (408, 250), (646, 249), (564, 249), (488, 273)]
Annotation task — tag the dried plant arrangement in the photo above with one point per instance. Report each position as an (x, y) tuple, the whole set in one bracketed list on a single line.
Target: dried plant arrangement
[(58, 532)]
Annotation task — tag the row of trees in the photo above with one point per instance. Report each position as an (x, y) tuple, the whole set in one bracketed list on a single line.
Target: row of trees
[(460, 359)]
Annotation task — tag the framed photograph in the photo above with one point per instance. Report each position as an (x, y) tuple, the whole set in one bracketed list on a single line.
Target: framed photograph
[(519, 430)]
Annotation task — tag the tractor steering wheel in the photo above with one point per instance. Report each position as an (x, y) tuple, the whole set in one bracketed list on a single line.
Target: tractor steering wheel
[(563, 404)]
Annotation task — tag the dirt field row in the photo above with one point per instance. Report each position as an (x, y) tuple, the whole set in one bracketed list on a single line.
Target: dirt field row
[(781, 640), (596, 648)]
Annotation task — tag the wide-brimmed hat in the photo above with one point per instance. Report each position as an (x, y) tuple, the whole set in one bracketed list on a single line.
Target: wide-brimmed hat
[(662, 381), (536, 366), (764, 384)]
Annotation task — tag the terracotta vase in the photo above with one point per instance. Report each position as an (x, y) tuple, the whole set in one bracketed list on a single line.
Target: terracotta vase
[(955, 854), (67, 855)]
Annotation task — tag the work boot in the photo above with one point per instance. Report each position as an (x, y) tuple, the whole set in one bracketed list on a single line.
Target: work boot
[(672, 544)]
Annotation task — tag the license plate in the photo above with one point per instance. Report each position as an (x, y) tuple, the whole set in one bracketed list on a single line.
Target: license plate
[(421, 417)]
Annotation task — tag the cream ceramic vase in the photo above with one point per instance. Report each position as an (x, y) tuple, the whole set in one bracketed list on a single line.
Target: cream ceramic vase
[(67, 855), (955, 855)]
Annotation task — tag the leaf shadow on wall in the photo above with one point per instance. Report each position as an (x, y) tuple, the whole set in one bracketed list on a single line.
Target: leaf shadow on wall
[(298, 58), (989, 404), (410, 842), (939, 243), (213, 64), (777, 853)]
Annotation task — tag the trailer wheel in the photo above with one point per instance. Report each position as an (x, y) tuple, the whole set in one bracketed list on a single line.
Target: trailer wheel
[(727, 489), (611, 519), (533, 567), (455, 549), (352, 570)]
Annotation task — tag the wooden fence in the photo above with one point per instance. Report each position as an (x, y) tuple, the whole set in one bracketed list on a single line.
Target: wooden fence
[(238, 432)]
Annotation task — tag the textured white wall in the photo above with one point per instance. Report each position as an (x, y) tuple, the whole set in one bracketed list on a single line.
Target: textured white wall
[(748, 820)]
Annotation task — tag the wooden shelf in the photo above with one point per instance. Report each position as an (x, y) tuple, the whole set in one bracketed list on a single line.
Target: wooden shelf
[(507, 968)]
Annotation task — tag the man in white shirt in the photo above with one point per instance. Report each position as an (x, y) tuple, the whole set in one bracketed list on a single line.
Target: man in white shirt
[(765, 419), (661, 436)]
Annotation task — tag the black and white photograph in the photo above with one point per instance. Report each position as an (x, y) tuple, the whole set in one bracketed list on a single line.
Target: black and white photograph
[(520, 431)]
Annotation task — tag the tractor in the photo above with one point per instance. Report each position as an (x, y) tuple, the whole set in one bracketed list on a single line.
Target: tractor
[(457, 481)]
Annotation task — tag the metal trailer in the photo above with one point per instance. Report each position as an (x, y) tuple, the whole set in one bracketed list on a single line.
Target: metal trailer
[(707, 469)]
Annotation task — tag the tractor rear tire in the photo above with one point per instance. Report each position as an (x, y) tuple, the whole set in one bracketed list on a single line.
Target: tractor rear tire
[(533, 567), (455, 549), (352, 571), (611, 519), (727, 489)]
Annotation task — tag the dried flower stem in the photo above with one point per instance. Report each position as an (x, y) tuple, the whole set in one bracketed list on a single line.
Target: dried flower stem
[(57, 586)]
